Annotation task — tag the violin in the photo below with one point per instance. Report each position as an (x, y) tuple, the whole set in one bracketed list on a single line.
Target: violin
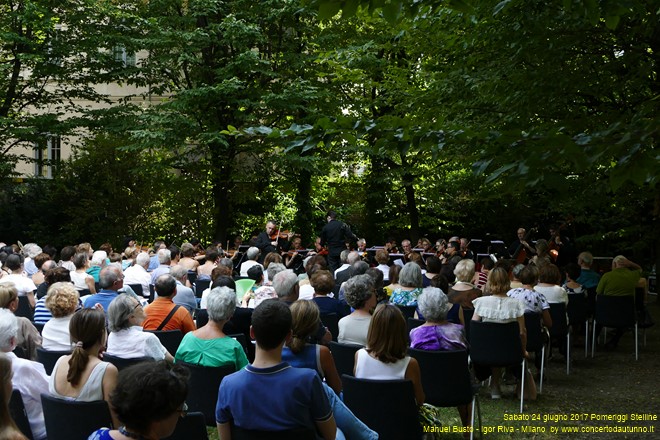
[(277, 234)]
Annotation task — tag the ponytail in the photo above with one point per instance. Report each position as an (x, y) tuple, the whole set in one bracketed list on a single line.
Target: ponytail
[(77, 364), (87, 328)]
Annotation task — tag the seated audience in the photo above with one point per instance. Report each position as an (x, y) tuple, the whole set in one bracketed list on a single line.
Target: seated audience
[(24, 285), (252, 257), (361, 297), (296, 398), (382, 257), (185, 297), (463, 291), (137, 273), (97, 263), (29, 377), (548, 285), (28, 337), (571, 285), (55, 275), (393, 277), (323, 282), (433, 268), (534, 301), (62, 301), (210, 262), (126, 339), (386, 355), (148, 401), (111, 280), (39, 261), (209, 346), (436, 333)]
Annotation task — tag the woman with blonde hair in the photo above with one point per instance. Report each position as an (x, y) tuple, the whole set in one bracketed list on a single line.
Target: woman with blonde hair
[(8, 429), (82, 376), (62, 301), (463, 292)]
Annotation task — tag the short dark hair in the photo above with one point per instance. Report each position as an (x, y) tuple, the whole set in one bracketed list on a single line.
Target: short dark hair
[(149, 392), (549, 273), (322, 281), (441, 282), (332, 214), (212, 254), (529, 275), (487, 263), (56, 274), (255, 273), (224, 281), (271, 323), (433, 264), (165, 285), (67, 253), (573, 270), (14, 262)]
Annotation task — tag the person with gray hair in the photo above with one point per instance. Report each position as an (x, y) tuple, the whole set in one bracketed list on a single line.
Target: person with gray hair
[(361, 295), (30, 377), (343, 258), (163, 314), (111, 279), (127, 340), (137, 273), (463, 292), (285, 284), (209, 346), (515, 272), (438, 334), (30, 251), (588, 278), (164, 259), (252, 255), (185, 296), (410, 282)]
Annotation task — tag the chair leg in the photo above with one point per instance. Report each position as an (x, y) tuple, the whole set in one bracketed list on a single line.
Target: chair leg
[(636, 344), (586, 338), (568, 353), (593, 338), (542, 368), (522, 385), (472, 418)]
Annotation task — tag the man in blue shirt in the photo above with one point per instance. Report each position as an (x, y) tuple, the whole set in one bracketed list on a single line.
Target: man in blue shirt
[(111, 279), (295, 398)]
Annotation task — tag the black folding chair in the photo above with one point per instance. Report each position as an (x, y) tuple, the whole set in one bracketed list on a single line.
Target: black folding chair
[(24, 308), (498, 345), (122, 363), (73, 420), (560, 330), (200, 286), (414, 323), (49, 358), (408, 311), (578, 315), (446, 379), (190, 427), (291, 434), (203, 388), (535, 340), (137, 288), (615, 311), (171, 339), (19, 414), (386, 406), (344, 356), (331, 321)]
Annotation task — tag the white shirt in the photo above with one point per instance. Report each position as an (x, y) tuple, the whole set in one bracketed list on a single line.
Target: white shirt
[(247, 265), (134, 343), (553, 294), (31, 380), (55, 335), (137, 274), (386, 271), (306, 291), (23, 284), (353, 329), (367, 367), (342, 267)]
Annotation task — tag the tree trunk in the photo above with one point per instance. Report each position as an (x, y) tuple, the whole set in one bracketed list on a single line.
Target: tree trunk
[(304, 215), (222, 165)]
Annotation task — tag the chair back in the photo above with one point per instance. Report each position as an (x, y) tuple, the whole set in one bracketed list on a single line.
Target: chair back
[(495, 344), (192, 276), (344, 356), (290, 434), (201, 317), (190, 427), (331, 321), (24, 308), (49, 358), (615, 311), (39, 326), (21, 353), (200, 286), (72, 420), (169, 338), (386, 406), (122, 363), (84, 292), (577, 309), (241, 339), (445, 376), (559, 320), (137, 288), (408, 311), (242, 287), (467, 317), (414, 323), (534, 331), (19, 414), (203, 389)]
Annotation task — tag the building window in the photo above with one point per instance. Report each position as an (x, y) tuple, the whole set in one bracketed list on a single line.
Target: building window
[(121, 56), (47, 155)]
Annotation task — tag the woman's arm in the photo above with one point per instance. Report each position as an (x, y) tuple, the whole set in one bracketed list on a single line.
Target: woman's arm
[(31, 300), (109, 384), (461, 317), (415, 375), (89, 280), (330, 370), (546, 318)]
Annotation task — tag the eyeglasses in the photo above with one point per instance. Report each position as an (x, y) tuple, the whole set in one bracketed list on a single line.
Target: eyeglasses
[(183, 411)]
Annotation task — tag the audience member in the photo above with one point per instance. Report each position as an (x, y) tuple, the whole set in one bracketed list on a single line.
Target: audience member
[(137, 273), (27, 337), (185, 297), (164, 257), (410, 282), (111, 279), (62, 301), (163, 314), (23, 284), (79, 277), (548, 285), (8, 429), (98, 262), (360, 295)]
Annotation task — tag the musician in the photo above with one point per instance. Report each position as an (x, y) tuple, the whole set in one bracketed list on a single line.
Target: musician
[(406, 246), (270, 240), (292, 257), (561, 246), (238, 241), (334, 235), (362, 245), (390, 246), (519, 244), (465, 251), (441, 249)]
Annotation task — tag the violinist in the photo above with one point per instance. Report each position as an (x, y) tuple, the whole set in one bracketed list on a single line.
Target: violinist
[(292, 256), (406, 245), (520, 250), (271, 240), (319, 249)]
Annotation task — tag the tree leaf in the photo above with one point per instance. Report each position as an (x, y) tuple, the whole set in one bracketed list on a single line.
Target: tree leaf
[(329, 9)]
